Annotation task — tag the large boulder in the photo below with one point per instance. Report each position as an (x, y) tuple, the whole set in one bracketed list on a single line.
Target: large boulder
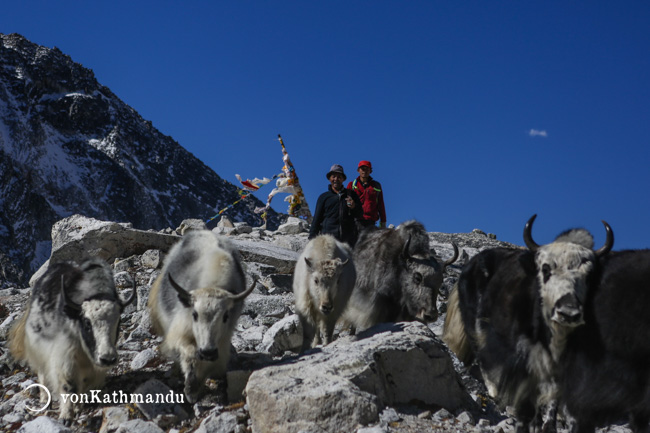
[(283, 259), (78, 237), (348, 383)]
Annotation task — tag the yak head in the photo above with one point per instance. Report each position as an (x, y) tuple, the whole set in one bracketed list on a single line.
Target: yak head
[(565, 268), (97, 316), (420, 282), (324, 278), (212, 310)]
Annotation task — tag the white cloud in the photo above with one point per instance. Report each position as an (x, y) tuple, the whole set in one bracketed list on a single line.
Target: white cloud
[(537, 133)]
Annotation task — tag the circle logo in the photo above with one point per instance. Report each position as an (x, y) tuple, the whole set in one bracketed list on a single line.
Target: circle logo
[(49, 398)]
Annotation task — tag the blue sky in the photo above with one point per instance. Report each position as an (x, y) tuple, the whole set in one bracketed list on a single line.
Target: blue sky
[(475, 114)]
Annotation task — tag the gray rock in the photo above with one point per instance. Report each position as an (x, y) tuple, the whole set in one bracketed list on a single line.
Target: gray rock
[(143, 321), (43, 424), (143, 358), (351, 379), (265, 305), (160, 400), (219, 423), (189, 225), (281, 283), (389, 415), (284, 335), (13, 417), (225, 231), (77, 237), (139, 426), (443, 415), (282, 259), (5, 326), (375, 429), (122, 265), (465, 418), (112, 418), (295, 243), (153, 259), (243, 228), (293, 226), (253, 335), (225, 222), (14, 380), (123, 280)]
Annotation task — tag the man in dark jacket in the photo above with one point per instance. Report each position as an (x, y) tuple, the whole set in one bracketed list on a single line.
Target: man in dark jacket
[(371, 196), (337, 210)]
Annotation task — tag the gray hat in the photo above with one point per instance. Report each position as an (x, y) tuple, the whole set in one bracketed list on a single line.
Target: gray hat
[(336, 168)]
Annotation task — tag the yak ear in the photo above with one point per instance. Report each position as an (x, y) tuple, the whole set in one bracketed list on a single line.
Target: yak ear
[(183, 295)]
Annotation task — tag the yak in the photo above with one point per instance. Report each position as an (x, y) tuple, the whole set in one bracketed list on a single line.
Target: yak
[(398, 277), (69, 331), (512, 311), (604, 369), (195, 304), (322, 284)]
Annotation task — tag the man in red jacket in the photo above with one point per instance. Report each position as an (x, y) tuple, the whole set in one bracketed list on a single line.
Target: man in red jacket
[(371, 196)]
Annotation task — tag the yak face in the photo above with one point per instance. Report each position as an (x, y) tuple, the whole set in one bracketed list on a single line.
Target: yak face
[(211, 311), (324, 282), (98, 325), (97, 316), (421, 279), (563, 270), (420, 283)]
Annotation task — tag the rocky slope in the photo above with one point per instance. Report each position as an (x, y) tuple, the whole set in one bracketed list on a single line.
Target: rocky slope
[(393, 378), (69, 145)]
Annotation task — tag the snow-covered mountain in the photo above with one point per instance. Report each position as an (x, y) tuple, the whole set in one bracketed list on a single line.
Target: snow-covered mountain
[(69, 145)]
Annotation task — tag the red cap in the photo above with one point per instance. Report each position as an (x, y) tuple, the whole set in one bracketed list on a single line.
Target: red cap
[(366, 163)]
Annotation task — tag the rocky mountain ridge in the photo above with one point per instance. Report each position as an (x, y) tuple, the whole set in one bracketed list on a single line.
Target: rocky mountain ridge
[(69, 145)]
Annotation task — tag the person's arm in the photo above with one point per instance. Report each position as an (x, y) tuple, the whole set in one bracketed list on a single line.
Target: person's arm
[(380, 207), (317, 220)]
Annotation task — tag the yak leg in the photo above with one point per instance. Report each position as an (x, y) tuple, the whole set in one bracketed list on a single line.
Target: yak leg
[(582, 427), (66, 408), (549, 417), (308, 332), (188, 367), (42, 394), (525, 411), (65, 385), (639, 422), (318, 331), (327, 329)]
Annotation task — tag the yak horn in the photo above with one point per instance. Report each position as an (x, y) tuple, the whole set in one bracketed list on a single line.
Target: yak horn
[(68, 302), (453, 258), (242, 295), (609, 241), (183, 294), (405, 251), (528, 238), (131, 298)]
